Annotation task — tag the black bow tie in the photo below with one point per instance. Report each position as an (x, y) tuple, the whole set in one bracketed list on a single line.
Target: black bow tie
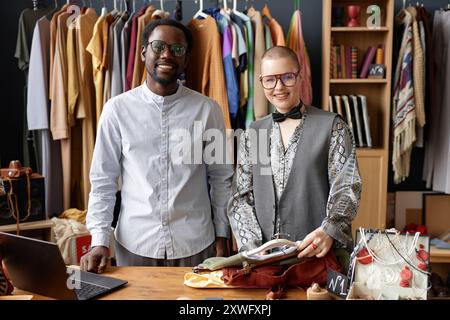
[(294, 113)]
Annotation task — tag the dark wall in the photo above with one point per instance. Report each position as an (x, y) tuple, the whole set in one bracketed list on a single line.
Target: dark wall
[(11, 94)]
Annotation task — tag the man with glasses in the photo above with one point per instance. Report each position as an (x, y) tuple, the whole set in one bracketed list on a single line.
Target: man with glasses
[(172, 213), (305, 185)]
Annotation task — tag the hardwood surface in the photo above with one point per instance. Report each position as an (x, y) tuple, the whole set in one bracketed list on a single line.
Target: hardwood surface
[(166, 283)]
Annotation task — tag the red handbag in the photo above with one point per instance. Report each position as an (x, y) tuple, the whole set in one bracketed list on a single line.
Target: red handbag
[(279, 277)]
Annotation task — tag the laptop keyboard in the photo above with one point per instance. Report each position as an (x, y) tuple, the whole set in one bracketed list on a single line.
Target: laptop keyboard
[(88, 291)]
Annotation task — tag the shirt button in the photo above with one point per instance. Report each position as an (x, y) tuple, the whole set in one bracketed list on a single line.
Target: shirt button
[(163, 114), (164, 223)]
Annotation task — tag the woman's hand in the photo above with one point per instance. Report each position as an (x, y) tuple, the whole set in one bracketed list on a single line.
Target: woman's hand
[(317, 243)]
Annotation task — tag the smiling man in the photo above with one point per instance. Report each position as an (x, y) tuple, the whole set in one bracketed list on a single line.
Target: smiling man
[(312, 187), (169, 216)]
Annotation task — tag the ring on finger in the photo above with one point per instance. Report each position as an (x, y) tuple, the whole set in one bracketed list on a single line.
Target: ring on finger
[(314, 246)]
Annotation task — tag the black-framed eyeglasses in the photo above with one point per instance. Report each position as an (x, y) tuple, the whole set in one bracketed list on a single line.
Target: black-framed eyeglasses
[(159, 46), (288, 79)]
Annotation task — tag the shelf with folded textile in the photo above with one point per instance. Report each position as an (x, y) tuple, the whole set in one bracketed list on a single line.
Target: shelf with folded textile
[(356, 83)]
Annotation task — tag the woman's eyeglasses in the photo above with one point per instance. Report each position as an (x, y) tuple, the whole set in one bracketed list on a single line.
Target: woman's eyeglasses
[(159, 46), (288, 79)]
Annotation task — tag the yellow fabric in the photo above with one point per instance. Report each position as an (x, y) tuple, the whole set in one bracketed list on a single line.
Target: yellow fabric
[(205, 280), (74, 214), (205, 72), (96, 48), (138, 64)]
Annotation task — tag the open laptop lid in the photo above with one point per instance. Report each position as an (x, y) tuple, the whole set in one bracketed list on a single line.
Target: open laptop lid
[(36, 266)]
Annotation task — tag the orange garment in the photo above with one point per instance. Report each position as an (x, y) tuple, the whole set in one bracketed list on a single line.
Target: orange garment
[(96, 48), (296, 42), (260, 102), (138, 64), (86, 101), (276, 31), (205, 72)]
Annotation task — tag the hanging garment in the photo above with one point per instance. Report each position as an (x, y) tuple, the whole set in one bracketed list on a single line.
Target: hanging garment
[(260, 101), (249, 74), (86, 101), (429, 97), (27, 22), (97, 48), (59, 109), (116, 69), (205, 72), (232, 86), (296, 42), (403, 110), (429, 67), (138, 63), (38, 111), (109, 52), (125, 48), (441, 173), (418, 69), (132, 49), (275, 28)]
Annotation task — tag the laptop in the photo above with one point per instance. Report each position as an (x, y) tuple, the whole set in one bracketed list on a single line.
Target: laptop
[(37, 266)]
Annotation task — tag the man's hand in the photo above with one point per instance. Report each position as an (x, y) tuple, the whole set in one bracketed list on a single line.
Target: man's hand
[(95, 260), (317, 243), (222, 247)]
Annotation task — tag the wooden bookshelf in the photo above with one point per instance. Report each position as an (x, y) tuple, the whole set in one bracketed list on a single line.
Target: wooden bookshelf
[(357, 81), (373, 162), (359, 29)]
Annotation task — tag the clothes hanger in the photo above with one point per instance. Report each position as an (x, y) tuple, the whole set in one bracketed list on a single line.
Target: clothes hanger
[(161, 4), (266, 12), (225, 5), (35, 5), (104, 9), (234, 5), (200, 12)]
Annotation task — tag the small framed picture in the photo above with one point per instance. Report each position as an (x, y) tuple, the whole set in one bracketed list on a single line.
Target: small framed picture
[(376, 71)]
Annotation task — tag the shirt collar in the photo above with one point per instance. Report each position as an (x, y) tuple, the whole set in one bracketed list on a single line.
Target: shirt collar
[(153, 97)]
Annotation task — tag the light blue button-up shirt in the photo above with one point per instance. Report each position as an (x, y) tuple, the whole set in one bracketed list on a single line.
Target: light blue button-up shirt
[(169, 209)]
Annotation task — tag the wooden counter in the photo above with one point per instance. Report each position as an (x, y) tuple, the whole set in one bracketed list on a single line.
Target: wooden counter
[(166, 283)]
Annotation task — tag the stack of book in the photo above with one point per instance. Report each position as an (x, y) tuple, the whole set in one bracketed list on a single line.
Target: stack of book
[(353, 109), (344, 61)]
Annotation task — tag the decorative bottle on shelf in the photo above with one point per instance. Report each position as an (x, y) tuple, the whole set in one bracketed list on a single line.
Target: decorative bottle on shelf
[(338, 13), (353, 13)]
